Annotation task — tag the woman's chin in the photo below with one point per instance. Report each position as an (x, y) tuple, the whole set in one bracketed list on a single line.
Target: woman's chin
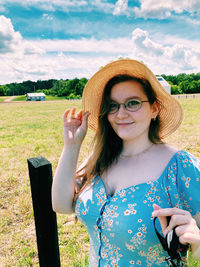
[(125, 136)]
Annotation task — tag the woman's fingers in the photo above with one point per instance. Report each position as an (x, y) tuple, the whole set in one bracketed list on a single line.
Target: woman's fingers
[(162, 219), (190, 238), (73, 112), (185, 226), (169, 212), (181, 229), (76, 122), (85, 119), (65, 117), (73, 116), (67, 111), (79, 115), (178, 217), (156, 207)]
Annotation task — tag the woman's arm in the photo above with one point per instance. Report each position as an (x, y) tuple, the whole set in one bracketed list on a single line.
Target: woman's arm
[(63, 182), (74, 128)]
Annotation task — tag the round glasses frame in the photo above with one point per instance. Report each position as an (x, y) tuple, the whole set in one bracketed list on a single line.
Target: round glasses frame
[(128, 105)]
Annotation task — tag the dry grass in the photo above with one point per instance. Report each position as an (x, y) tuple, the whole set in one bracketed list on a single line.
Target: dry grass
[(35, 129), (3, 98)]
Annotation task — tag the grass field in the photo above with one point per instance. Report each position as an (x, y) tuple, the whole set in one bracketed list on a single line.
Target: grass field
[(32, 129), (3, 98), (48, 97)]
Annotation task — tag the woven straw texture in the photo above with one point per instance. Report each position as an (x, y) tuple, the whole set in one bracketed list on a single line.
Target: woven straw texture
[(171, 114)]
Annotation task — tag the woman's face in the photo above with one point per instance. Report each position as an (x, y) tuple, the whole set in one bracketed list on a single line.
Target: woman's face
[(129, 125)]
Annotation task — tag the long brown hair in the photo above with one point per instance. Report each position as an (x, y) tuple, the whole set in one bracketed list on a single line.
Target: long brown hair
[(107, 145)]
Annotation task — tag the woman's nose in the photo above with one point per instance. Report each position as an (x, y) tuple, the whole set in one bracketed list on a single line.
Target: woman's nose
[(122, 112)]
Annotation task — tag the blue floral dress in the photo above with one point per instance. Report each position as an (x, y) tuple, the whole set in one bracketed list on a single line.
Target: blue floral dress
[(121, 226)]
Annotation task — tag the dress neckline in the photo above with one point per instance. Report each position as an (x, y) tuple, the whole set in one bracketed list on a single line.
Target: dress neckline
[(140, 184)]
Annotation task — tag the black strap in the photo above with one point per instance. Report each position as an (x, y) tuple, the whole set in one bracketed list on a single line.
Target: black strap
[(175, 250), (161, 238)]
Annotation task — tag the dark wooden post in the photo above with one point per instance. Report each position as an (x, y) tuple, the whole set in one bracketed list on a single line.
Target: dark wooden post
[(40, 173)]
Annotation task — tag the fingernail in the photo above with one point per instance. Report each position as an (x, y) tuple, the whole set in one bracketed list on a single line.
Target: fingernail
[(165, 232)]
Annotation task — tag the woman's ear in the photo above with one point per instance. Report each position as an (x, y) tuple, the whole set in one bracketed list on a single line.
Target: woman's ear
[(154, 110)]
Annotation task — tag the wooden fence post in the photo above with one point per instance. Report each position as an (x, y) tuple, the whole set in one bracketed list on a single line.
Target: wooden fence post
[(40, 173)]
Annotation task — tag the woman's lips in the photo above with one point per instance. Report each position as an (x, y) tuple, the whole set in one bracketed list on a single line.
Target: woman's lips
[(124, 123)]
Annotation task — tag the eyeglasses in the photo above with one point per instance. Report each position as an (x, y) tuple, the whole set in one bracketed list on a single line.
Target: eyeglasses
[(130, 105)]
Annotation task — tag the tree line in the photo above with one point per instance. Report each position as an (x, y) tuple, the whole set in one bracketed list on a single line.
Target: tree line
[(183, 83), (68, 88), (180, 84)]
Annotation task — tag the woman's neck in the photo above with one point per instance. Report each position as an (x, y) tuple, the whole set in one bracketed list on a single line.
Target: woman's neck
[(134, 148)]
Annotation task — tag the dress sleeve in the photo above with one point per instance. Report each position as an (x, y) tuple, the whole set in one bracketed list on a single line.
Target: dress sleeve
[(188, 182)]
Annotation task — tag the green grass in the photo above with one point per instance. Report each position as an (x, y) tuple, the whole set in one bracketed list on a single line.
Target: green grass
[(52, 97), (19, 98), (48, 98), (3, 98), (32, 129)]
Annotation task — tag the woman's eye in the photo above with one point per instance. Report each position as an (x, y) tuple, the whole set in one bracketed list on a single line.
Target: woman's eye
[(112, 106), (133, 103)]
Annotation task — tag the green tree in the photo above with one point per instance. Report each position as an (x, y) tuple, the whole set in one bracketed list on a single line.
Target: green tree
[(184, 85), (194, 87), (3, 90), (175, 89)]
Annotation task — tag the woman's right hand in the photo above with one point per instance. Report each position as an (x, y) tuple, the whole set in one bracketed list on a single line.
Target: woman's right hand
[(75, 126)]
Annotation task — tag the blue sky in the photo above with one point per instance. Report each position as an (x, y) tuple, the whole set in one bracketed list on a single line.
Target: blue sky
[(45, 39)]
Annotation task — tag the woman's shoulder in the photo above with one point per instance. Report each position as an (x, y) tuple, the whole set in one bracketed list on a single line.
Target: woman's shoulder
[(168, 155), (184, 156), (184, 160), (168, 151), (164, 153)]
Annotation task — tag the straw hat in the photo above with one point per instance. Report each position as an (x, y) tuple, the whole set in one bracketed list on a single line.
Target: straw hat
[(171, 114)]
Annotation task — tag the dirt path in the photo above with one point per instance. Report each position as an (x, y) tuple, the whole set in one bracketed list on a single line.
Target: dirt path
[(9, 99)]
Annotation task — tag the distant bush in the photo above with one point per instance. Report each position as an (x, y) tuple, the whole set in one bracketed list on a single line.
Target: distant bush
[(73, 96), (184, 83), (175, 89)]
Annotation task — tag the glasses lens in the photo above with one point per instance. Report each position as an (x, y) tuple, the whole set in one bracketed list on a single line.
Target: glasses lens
[(113, 107), (133, 104)]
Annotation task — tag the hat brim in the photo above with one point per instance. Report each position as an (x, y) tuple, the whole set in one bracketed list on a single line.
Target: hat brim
[(171, 113)]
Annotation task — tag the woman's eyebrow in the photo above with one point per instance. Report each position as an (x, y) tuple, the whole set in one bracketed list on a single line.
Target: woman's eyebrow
[(126, 99)]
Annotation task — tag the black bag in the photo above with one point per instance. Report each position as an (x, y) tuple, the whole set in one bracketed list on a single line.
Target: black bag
[(174, 248)]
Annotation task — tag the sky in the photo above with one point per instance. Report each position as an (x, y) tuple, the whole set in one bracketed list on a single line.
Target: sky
[(64, 39)]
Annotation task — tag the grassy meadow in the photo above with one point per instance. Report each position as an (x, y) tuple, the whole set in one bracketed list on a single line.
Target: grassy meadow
[(31, 129), (47, 97), (3, 98)]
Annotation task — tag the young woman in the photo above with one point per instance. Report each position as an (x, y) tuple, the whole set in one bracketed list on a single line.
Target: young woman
[(131, 175)]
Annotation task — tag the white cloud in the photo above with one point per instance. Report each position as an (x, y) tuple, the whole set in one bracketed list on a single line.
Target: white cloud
[(11, 41), (112, 46), (164, 58), (55, 63), (142, 41), (47, 4), (121, 7), (46, 59), (49, 67), (147, 9), (193, 21), (47, 16), (64, 5), (158, 9), (162, 9)]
